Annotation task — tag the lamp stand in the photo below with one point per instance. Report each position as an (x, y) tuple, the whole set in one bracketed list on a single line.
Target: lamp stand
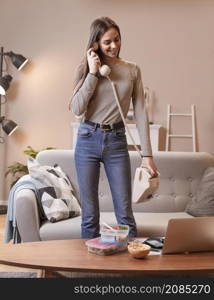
[(1, 73), (3, 208)]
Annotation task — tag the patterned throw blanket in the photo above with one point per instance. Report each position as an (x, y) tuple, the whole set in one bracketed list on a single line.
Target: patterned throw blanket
[(54, 194)]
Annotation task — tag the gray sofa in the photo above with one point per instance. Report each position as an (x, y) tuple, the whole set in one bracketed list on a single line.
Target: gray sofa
[(181, 173)]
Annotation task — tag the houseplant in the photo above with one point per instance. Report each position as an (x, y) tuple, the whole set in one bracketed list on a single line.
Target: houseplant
[(17, 169)]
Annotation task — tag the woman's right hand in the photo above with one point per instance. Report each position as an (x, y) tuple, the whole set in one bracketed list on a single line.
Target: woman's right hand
[(93, 61)]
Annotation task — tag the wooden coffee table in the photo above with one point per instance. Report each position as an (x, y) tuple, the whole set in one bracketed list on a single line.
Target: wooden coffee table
[(72, 256)]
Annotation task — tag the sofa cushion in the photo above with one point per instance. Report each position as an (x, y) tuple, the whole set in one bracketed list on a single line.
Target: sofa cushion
[(56, 200), (62, 230), (148, 225), (203, 203)]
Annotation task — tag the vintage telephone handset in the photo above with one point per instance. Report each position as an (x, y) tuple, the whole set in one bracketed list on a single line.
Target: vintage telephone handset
[(104, 70)]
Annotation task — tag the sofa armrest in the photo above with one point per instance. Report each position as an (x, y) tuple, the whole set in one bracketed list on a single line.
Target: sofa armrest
[(27, 215)]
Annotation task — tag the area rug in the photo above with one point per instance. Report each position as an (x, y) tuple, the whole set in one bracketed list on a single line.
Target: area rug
[(3, 209), (88, 275), (18, 275)]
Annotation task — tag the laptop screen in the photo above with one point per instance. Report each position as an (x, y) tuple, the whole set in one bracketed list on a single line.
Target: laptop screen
[(189, 235)]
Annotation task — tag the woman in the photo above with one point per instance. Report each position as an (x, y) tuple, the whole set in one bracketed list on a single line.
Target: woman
[(101, 135)]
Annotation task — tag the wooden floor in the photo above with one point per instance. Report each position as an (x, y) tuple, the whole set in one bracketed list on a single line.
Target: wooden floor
[(5, 268)]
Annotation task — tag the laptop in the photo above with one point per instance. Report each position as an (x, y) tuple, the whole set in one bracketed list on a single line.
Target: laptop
[(189, 235)]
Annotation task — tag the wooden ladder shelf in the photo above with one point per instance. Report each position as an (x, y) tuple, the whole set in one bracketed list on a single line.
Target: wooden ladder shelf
[(169, 119)]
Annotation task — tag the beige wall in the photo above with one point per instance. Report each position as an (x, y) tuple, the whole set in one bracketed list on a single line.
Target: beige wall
[(171, 40)]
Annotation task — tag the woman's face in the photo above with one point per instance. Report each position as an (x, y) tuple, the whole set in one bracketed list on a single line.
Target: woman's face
[(110, 43)]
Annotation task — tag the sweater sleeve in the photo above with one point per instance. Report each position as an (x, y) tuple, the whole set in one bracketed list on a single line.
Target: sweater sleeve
[(81, 98), (140, 114)]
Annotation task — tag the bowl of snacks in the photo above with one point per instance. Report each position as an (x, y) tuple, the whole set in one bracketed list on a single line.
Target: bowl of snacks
[(138, 250)]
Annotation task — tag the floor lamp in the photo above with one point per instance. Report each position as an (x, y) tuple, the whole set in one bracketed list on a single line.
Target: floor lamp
[(8, 126)]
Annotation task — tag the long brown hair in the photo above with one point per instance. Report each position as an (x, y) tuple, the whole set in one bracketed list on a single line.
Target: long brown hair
[(97, 29)]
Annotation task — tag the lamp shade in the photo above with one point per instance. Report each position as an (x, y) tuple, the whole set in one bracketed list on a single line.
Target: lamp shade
[(18, 60), (5, 83), (8, 125)]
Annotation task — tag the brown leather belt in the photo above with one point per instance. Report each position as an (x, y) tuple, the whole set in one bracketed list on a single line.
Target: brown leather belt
[(105, 126)]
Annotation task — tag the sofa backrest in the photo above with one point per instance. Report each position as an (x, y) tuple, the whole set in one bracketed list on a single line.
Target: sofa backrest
[(180, 172)]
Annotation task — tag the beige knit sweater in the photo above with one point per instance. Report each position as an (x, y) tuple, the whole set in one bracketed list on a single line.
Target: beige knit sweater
[(95, 99)]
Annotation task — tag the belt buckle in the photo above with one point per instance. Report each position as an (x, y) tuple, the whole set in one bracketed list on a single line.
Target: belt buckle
[(102, 127)]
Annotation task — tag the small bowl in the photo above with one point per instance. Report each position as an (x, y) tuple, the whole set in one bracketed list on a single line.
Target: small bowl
[(139, 250)]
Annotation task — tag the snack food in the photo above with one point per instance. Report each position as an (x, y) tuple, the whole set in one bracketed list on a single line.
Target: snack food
[(99, 247), (138, 250)]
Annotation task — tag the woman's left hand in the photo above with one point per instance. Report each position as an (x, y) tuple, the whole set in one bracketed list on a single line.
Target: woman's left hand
[(151, 166)]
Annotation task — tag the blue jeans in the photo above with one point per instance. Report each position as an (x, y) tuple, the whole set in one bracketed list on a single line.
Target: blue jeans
[(109, 147)]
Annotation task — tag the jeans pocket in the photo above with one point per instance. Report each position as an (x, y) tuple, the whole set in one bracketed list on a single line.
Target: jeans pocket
[(84, 132)]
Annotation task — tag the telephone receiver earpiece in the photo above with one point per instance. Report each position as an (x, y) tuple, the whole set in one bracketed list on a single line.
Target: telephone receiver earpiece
[(104, 70), (95, 46)]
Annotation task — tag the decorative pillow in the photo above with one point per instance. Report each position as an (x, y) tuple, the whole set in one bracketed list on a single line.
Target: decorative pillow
[(56, 194), (203, 203)]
